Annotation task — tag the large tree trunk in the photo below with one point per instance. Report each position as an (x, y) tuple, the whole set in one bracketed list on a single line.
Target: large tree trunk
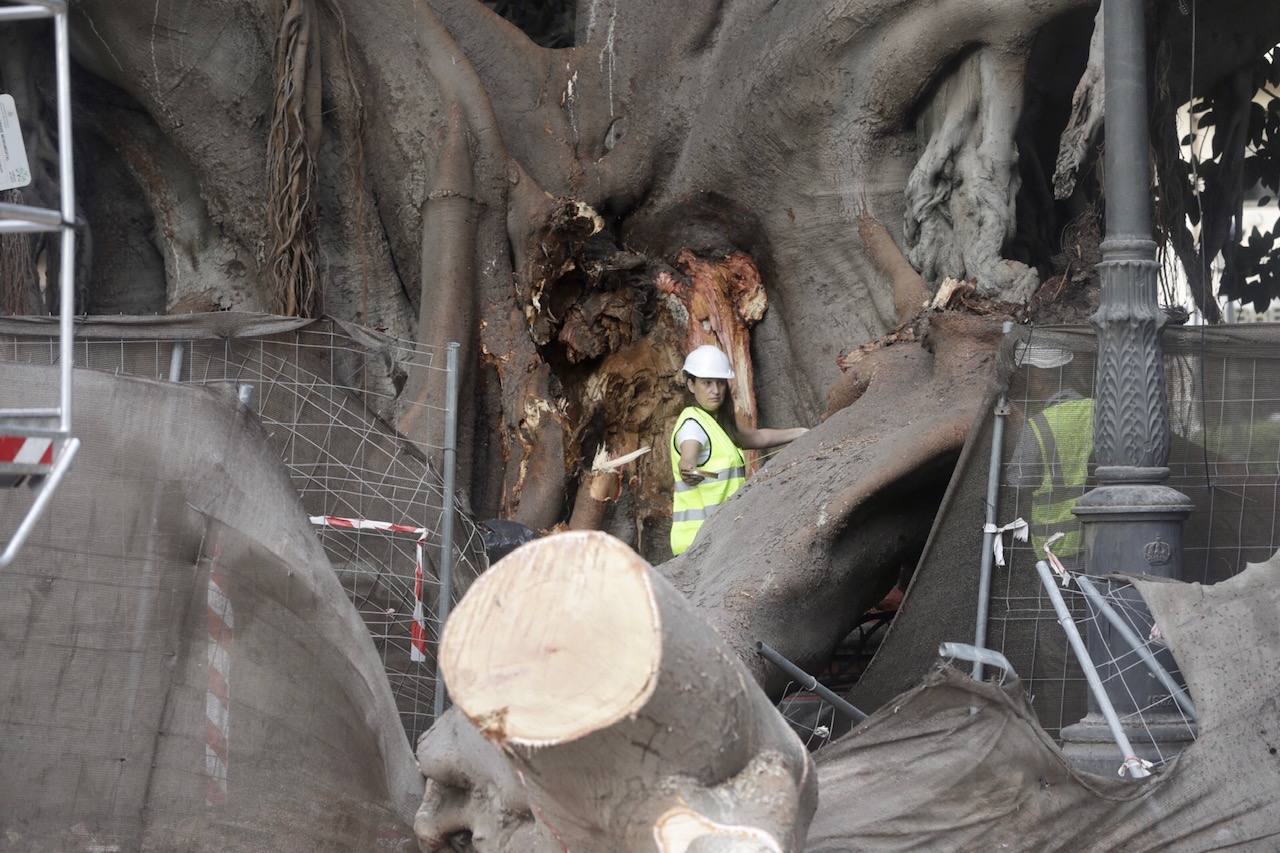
[(858, 491), (628, 719), (433, 150), (578, 218), (455, 149)]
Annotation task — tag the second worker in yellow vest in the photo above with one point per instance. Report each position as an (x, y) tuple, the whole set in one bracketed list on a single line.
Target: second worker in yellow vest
[(706, 446), (1052, 458)]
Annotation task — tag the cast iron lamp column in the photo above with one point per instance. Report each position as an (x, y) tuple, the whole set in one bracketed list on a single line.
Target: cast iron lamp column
[(1132, 522)]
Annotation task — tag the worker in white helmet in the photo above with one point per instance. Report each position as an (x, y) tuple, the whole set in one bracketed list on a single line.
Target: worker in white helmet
[(706, 445), (1052, 456)]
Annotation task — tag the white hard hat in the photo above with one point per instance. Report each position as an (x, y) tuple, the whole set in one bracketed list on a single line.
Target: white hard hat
[(707, 362), (1041, 355)]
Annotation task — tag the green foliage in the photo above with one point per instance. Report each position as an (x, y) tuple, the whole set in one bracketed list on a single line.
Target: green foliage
[(1244, 154)]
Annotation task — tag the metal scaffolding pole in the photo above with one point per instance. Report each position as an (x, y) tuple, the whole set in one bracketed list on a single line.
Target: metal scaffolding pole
[(446, 515)]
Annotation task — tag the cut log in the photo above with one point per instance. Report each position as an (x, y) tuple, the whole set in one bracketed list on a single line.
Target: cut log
[(630, 721)]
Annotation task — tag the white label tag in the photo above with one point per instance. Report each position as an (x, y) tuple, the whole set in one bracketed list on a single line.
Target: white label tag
[(14, 169)]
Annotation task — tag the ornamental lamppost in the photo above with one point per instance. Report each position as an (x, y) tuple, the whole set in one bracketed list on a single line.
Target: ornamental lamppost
[(1132, 521)]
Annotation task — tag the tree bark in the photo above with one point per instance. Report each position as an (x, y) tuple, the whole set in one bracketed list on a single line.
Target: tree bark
[(471, 788), (1087, 109), (627, 717), (855, 487)]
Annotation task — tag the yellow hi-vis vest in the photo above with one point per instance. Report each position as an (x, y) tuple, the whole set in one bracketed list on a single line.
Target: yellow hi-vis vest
[(1064, 433), (692, 505)]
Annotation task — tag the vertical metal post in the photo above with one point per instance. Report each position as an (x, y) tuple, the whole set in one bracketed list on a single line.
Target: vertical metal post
[(24, 219), (66, 180), (446, 514), (993, 508), (175, 362)]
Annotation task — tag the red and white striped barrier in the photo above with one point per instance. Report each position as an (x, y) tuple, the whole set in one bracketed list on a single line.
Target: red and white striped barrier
[(365, 524), (217, 703), (24, 450), (418, 627)]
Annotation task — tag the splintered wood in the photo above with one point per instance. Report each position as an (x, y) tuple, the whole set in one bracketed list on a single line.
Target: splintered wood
[(612, 329), (720, 303)]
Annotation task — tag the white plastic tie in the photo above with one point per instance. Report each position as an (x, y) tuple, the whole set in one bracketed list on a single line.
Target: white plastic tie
[(1020, 531), (1135, 767), (1060, 570)]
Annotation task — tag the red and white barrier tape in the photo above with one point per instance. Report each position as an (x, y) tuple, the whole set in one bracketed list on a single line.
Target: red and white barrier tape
[(418, 627), (220, 619), (23, 450), (365, 524)]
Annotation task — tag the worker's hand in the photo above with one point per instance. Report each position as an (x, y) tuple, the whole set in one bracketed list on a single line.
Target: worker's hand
[(690, 475)]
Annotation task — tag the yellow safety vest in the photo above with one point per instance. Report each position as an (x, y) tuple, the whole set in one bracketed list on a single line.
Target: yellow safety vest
[(692, 505), (1064, 433)]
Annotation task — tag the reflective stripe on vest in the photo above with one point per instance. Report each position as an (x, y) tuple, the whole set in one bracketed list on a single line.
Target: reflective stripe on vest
[(1064, 434), (727, 474), (692, 505)]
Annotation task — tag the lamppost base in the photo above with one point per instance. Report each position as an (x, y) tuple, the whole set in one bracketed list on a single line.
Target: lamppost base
[(1132, 525), (1090, 748)]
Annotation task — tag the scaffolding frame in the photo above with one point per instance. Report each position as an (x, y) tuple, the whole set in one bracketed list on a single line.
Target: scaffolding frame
[(51, 422)]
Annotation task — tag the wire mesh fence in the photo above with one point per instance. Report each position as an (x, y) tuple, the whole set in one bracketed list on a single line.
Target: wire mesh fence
[(810, 716), (1138, 677), (326, 394), (1224, 390)]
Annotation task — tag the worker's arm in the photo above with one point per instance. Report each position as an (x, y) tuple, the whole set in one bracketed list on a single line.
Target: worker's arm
[(689, 451), (758, 439)]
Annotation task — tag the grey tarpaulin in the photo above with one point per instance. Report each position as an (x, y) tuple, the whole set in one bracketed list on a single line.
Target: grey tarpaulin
[(937, 608), (179, 667), (325, 393), (926, 774)]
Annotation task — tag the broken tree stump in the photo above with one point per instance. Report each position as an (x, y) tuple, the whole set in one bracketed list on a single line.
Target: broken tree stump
[(631, 723)]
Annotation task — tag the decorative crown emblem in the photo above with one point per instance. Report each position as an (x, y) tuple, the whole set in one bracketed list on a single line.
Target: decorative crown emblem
[(1157, 552)]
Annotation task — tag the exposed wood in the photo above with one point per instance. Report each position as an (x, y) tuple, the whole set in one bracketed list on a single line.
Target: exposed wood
[(722, 301), (910, 293), (617, 704), (599, 487)]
